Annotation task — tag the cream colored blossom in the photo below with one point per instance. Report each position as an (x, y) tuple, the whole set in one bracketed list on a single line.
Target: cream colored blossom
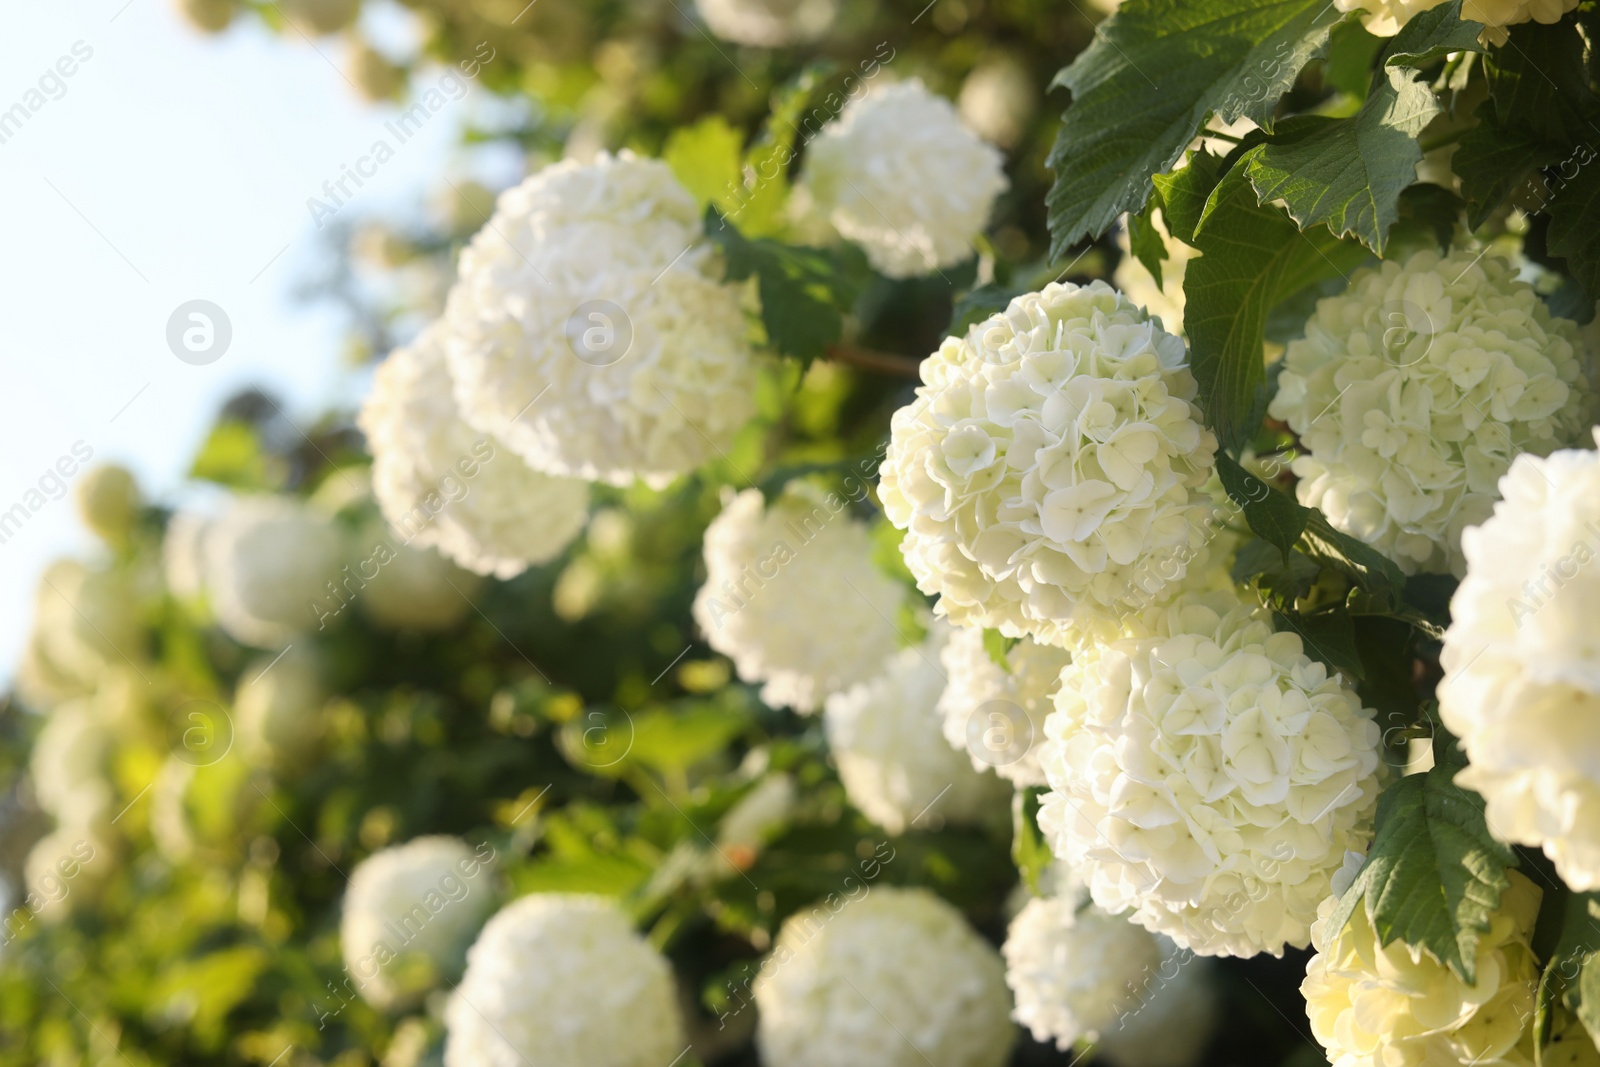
[(415, 588), (793, 598), (409, 914), (1522, 665), (886, 737), (68, 765), (563, 981), (1052, 459), (269, 564), (996, 713), (1398, 1006), (1385, 17), (898, 174), (893, 978), (591, 330), (998, 99), (278, 708), (1413, 391), (768, 23), (1175, 1016), (1210, 777), (108, 501), (443, 485)]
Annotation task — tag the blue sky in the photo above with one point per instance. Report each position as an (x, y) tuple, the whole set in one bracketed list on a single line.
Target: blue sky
[(167, 167)]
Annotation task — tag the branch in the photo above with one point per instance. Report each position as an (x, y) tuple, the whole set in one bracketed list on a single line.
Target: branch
[(869, 359)]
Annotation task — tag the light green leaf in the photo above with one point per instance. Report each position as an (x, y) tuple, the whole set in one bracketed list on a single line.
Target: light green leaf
[(705, 158), (1156, 71), (1029, 850)]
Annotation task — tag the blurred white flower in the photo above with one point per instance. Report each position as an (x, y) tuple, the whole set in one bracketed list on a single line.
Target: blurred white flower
[(895, 978), (183, 556), (318, 17), (443, 485), (1522, 666), (793, 598), (996, 713), (415, 588), (563, 981), (1076, 970), (887, 738), (899, 174), (1210, 777), (768, 23), (409, 914), (1395, 1005), (1413, 391), (68, 765), (753, 821), (1175, 1018), (108, 501), (1052, 460), (998, 99), (1385, 17), (63, 867), (591, 331), (269, 564), (84, 621), (278, 706)]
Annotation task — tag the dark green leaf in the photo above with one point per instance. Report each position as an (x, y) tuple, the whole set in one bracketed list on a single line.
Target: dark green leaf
[(1144, 240), (1185, 191), (1355, 559), (1433, 210), (1434, 34), (1352, 51), (1155, 72), (1433, 877), (1272, 516), (1328, 636), (1029, 850), (1491, 161), (1575, 225), (1538, 85), (1253, 258), (979, 304), (1587, 1007)]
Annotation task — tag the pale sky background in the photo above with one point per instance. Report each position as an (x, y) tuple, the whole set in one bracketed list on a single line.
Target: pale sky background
[(175, 167)]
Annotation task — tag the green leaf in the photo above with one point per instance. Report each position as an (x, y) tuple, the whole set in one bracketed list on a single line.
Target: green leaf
[(998, 645), (1587, 1006), (233, 456), (1029, 850), (765, 188), (1351, 54), (978, 304), (671, 741), (1144, 240), (804, 293), (1185, 191), (1348, 173), (1433, 210), (1252, 258), (1156, 71), (1272, 515), (1433, 877), (1358, 561), (705, 159), (1328, 636), (1574, 232), (1492, 160), (1539, 84)]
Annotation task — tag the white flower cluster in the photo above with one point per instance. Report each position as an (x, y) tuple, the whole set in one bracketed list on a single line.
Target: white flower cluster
[(84, 622), (108, 501), (886, 737), (1522, 667), (899, 174), (68, 765), (268, 562), (1413, 391), (563, 981), (1051, 454), (409, 914), (1210, 777), (1079, 973), (416, 588), (998, 99), (793, 598), (896, 979), (1385, 17), (1074, 969), (590, 329), (768, 23), (442, 484), (996, 713), (1395, 1005)]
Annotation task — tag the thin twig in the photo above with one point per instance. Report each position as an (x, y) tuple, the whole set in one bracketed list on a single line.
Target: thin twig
[(869, 359)]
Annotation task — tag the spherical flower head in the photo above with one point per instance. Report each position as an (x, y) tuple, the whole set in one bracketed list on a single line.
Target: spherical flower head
[(1210, 777), (1522, 661), (1413, 391), (68, 765), (898, 174), (995, 712), (208, 16), (415, 588), (998, 100), (793, 598), (318, 17), (277, 710), (409, 914), (895, 978), (442, 484), (64, 869), (887, 738), (1164, 300), (108, 501), (1076, 970), (85, 619), (563, 981), (1174, 1017), (1385, 17), (591, 331), (1395, 1005), (183, 554), (1052, 456), (768, 23), (269, 563)]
